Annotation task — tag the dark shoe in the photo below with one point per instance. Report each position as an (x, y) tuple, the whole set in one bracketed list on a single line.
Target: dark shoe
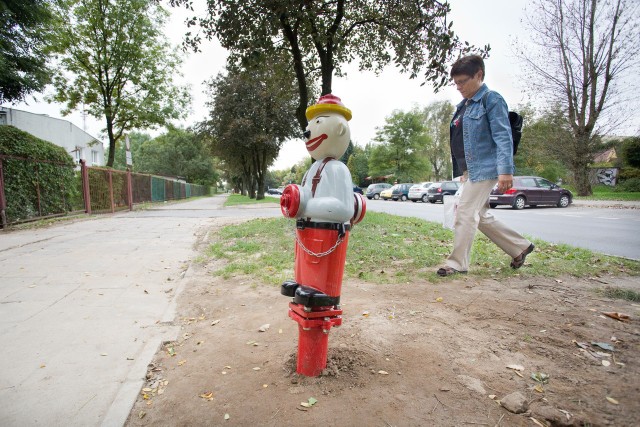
[(518, 261), (448, 271)]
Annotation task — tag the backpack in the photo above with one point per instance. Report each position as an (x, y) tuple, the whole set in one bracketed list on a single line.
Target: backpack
[(515, 121)]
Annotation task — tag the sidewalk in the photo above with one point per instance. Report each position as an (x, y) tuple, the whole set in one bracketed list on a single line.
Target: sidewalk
[(85, 304), (613, 204)]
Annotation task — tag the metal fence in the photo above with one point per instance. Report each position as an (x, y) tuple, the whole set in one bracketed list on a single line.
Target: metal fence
[(90, 189)]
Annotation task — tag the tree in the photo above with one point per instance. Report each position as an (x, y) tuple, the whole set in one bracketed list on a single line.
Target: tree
[(404, 135), (358, 165), (437, 117), (631, 152), (250, 118), (179, 153), (319, 36), (121, 67), (136, 139), (25, 26), (584, 48)]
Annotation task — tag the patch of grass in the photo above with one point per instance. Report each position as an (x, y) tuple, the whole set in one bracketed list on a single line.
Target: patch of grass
[(392, 249), (237, 199), (605, 192), (620, 293)]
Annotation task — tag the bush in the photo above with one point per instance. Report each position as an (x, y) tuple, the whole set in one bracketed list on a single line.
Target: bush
[(631, 185), (42, 185)]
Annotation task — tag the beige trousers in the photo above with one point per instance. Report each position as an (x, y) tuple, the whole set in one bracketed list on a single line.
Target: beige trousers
[(473, 214)]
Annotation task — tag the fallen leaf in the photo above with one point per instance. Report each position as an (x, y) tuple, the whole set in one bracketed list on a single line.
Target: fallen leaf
[(439, 299), (618, 316), (160, 391), (541, 377), (558, 281), (43, 366), (227, 367), (612, 400), (603, 345), (265, 385), (141, 414), (207, 395), (256, 368), (182, 362), (516, 367), (383, 372), (365, 313), (492, 396), (539, 388), (305, 404), (215, 322), (224, 372), (171, 351), (226, 416), (264, 328), (518, 374), (279, 331), (606, 363), (313, 401)]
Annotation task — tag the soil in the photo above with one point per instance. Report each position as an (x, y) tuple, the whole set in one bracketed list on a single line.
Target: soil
[(418, 354)]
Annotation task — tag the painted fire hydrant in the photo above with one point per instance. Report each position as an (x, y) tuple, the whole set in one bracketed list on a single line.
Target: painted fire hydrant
[(325, 208)]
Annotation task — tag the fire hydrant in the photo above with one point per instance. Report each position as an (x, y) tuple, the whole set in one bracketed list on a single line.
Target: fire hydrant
[(325, 208)]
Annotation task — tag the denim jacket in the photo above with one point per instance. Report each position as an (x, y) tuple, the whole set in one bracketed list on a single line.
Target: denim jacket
[(487, 137)]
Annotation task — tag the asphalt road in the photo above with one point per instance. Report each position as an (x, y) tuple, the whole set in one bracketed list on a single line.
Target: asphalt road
[(609, 231)]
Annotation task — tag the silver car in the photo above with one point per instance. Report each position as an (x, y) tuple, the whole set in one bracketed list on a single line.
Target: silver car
[(419, 192)]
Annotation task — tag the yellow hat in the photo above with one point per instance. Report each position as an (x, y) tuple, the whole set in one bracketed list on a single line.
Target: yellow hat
[(328, 104)]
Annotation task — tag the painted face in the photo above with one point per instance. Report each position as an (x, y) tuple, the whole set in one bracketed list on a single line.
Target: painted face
[(328, 135)]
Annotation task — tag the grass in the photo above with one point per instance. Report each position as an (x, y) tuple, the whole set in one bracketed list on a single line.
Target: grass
[(392, 249), (620, 293), (237, 199), (605, 192)]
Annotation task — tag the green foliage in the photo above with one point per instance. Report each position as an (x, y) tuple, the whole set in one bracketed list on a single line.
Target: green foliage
[(631, 152), (630, 185), (177, 153), (358, 166), (53, 180), (437, 117), (404, 138), (24, 30), (391, 249), (249, 120), (136, 139), (319, 36), (116, 62), (621, 293)]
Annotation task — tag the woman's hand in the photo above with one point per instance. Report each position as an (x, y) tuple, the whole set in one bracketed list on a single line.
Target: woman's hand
[(505, 182)]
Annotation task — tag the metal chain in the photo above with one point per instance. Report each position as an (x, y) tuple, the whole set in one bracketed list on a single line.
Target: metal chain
[(321, 254)]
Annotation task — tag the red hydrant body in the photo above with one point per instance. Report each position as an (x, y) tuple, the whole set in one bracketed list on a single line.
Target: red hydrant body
[(325, 207)]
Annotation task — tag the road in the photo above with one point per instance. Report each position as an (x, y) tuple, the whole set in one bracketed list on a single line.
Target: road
[(609, 231)]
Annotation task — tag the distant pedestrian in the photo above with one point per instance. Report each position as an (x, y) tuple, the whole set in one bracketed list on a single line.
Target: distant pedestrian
[(482, 155)]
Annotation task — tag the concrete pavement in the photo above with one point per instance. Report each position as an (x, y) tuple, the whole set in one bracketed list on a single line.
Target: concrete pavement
[(84, 306)]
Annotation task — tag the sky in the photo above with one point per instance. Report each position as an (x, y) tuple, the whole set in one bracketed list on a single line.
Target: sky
[(371, 98)]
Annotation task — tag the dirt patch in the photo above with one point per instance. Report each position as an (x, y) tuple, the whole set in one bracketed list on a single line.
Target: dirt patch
[(443, 350)]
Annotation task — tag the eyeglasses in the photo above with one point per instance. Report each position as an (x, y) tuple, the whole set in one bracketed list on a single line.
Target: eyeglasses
[(461, 82)]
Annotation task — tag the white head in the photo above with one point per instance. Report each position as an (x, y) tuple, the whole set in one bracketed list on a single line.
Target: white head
[(328, 133)]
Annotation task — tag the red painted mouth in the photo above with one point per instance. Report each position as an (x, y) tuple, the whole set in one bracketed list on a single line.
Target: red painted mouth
[(314, 143)]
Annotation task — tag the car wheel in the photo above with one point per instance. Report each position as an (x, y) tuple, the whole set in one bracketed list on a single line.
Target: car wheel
[(376, 196), (492, 205), (432, 201), (424, 198), (519, 202), (403, 198), (564, 201)]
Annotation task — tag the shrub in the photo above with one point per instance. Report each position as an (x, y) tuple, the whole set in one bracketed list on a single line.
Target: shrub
[(42, 185), (631, 185)]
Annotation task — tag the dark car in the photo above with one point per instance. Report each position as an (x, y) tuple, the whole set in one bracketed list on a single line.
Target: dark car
[(531, 191), (274, 191), (439, 189), (400, 192), (357, 189), (374, 190)]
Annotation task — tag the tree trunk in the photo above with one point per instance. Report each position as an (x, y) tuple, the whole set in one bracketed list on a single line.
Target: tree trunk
[(112, 141), (581, 163)]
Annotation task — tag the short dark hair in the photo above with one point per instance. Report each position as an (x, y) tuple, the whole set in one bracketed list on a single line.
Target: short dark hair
[(468, 66)]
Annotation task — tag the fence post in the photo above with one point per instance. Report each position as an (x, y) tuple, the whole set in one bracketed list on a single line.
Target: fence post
[(3, 202), (113, 208), (129, 189), (84, 173)]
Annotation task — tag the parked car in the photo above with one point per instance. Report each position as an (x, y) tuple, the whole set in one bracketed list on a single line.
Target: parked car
[(373, 191), (274, 191), (356, 189), (400, 191), (386, 193), (439, 189), (531, 191), (419, 192)]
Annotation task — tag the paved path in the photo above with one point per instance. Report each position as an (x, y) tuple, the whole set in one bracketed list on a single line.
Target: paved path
[(84, 306)]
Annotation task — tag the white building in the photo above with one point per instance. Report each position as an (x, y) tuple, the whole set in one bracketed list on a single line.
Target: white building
[(62, 133)]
